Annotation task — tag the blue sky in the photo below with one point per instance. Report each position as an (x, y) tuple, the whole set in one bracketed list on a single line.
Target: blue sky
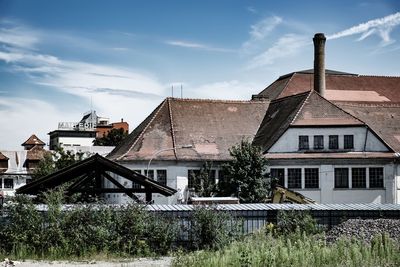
[(56, 57)]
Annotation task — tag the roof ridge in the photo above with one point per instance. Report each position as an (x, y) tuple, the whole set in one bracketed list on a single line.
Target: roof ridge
[(289, 96), (369, 104), (144, 129), (379, 76), (301, 107), (217, 100), (171, 121)]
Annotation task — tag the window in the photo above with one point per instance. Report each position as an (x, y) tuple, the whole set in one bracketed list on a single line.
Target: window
[(318, 142), (376, 177), (151, 174), (294, 178), (278, 174), (303, 142), (8, 183), (28, 181), (358, 178), (311, 177), (333, 142), (341, 178), (348, 142), (162, 177), (136, 185)]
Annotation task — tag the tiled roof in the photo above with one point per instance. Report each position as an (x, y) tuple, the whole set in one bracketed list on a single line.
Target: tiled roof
[(339, 87), (211, 127), (36, 153), (305, 109), (2, 157), (384, 119), (33, 140)]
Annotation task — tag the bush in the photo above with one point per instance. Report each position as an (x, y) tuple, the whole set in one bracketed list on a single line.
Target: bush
[(212, 229), (292, 221)]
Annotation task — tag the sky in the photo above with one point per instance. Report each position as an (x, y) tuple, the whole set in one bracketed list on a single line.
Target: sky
[(60, 59)]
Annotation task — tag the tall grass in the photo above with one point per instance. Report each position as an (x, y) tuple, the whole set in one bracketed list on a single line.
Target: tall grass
[(296, 250)]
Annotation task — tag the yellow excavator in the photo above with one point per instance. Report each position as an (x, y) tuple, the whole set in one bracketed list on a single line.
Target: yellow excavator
[(282, 194)]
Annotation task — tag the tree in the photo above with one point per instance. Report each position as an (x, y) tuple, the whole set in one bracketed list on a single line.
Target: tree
[(244, 176), (55, 161), (112, 138), (203, 182)]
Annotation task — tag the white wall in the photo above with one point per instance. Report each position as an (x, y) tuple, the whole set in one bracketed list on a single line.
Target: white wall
[(74, 141), (289, 141), (173, 170), (327, 193)]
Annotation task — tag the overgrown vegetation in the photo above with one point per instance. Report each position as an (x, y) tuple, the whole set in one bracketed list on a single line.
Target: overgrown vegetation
[(297, 249), (57, 160), (203, 182), (244, 176), (94, 229)]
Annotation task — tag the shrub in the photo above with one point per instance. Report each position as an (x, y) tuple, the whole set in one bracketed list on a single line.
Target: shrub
[(212, 229), (291, 221)]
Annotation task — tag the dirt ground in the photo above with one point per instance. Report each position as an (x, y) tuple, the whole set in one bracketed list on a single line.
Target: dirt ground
[(141, 262)]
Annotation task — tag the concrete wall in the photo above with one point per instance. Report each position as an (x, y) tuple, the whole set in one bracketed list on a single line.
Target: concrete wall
[(74, 141), (289, 141)]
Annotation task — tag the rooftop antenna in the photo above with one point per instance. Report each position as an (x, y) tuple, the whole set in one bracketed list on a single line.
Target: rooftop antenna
[(181, 91)]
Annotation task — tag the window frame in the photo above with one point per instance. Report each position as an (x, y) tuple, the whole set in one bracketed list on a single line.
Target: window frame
[(279, 176), (346, 141), (341, 182), (359, 177), (164, 179), (318, 142), (304, 143), (312, 181), (380, 182), (333, 141), (294, 184)]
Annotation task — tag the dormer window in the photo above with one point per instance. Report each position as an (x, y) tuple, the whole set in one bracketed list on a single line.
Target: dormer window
[(348, 142), (333, 142), (318, 142), (303, 142)]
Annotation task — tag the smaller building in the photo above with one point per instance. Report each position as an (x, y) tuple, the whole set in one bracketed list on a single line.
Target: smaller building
[(84, 132), (16, 167)]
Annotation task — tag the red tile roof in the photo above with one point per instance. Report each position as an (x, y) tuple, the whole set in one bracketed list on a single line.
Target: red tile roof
[(32, 141), (211, 127), (339, 87), (36, 153), (305, 109), (2, 157)]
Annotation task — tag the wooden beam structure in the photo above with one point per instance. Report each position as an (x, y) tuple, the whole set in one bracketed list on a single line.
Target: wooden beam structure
[(89, 176)]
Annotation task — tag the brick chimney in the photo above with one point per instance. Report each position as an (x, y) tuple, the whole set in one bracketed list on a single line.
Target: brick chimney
[(319, 63)]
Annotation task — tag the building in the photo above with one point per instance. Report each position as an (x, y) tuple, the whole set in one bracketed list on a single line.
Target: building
[(83, 133), (181, 134), (336, 140), (332, 136), (16, 167)]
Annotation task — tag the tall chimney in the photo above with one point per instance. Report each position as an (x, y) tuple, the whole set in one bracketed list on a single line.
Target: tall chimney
[(319, 63)]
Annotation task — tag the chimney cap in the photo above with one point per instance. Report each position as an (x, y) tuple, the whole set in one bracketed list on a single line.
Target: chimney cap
[(319, 35)]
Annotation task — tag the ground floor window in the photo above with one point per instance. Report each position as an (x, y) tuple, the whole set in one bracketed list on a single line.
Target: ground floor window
[(376, 177), (358, 178), (136, 185), (294, 178), (162, 177), (8, 183), (311, 178), (279, 175), (341, 178)]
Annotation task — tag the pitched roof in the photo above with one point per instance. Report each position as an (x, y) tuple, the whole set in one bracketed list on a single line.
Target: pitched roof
[(36, 153), (305, 109), (340, 86), (33, 140), (211, 127), (2, 157), (383, 119)]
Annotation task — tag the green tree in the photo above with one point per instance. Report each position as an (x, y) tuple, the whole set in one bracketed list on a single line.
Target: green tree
[(112, 138), (56, 160), (245, 176), (204, 182)]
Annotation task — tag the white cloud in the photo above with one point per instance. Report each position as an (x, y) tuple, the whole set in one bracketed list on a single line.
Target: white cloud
[(259, 31), (288, 45), (381, 26), (199, 46), (252, 9), (232, 89), (18, 37)]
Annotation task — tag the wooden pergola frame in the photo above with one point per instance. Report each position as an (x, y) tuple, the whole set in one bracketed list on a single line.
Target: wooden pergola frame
[(88, 176)]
